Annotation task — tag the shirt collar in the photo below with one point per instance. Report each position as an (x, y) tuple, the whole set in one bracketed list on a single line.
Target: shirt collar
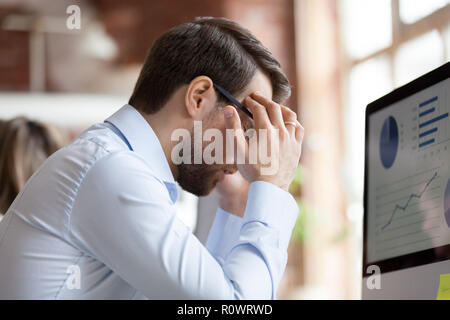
[(144, 142)]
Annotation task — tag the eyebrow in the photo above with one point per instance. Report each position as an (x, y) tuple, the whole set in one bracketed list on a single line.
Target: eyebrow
[(233, 100)]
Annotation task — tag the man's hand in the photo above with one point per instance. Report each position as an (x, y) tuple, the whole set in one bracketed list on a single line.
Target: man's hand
[(233, 193), (270, 116)]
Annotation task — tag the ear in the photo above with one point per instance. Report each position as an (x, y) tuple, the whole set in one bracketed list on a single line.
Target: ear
[(200, 97)]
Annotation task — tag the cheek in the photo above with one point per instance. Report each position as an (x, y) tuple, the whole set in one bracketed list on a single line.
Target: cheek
[(218, 124), (223, 132)]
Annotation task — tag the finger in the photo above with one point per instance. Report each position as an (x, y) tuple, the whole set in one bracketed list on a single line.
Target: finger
[(233, 123), (273, 109), (290, 116), (299, 132), (260, 116)]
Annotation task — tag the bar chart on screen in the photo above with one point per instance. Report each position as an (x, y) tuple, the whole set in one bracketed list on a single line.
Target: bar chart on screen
[(432, 117)]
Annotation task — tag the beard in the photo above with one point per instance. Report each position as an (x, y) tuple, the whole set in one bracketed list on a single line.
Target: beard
[(201, 179)]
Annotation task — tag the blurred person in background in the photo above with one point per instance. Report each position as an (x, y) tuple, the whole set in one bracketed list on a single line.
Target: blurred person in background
[(24, 146)]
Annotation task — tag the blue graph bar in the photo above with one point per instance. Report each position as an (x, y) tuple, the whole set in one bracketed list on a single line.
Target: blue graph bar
[(425, 143), (426, 133), (426, 112), (443, 116), (423, 104)]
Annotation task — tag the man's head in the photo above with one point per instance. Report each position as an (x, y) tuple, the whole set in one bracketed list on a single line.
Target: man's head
[(176, 84)]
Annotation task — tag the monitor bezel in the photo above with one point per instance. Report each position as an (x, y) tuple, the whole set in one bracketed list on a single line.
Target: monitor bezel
[(421, 257)]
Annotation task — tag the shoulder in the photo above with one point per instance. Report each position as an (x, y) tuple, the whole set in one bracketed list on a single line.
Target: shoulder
[(125, 173), (108, 170)]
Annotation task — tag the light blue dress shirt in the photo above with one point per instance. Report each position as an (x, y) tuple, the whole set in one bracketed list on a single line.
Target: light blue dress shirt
[(97, 221)]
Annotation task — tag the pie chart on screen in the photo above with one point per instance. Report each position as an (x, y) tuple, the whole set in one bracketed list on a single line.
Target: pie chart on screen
[(447, 203), (389, 142)]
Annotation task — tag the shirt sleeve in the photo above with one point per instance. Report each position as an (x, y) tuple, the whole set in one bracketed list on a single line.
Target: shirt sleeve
[(123, 217), (224, 234)]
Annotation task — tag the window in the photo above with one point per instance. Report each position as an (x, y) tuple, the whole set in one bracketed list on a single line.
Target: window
[(414, 10), (385, 44), (447, 42), (360, 18), (428, 54)]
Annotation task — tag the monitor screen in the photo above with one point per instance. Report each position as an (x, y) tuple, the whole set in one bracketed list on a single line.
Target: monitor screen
[(407, 196)]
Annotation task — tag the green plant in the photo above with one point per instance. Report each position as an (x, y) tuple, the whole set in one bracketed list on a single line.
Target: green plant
[(299, 233)]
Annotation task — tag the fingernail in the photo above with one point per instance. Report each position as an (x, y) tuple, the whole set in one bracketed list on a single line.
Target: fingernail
[(228, 113), (258, 93)]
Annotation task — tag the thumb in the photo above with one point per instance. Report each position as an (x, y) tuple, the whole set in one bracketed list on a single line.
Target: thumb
[(234, 132), (232, 120)]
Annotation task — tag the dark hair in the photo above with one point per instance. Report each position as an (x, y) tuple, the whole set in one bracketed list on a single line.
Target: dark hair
[(24, 146), (215, 47)]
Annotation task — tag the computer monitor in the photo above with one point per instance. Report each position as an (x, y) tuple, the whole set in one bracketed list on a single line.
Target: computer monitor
[(407, 190)]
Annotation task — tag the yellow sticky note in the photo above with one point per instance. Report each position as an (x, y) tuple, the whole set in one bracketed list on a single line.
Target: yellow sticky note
[(444, 287)]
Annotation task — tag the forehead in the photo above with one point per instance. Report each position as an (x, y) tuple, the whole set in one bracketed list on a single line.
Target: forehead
[(260, 82)]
